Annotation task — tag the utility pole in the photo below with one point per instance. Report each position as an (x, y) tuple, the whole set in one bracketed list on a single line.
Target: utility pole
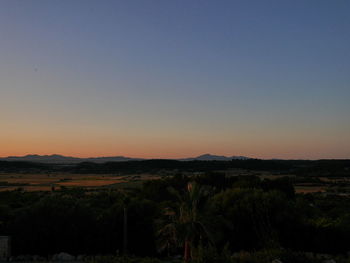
[(125, 232)]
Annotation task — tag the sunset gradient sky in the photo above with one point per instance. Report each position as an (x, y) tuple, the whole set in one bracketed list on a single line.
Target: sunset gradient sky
[(167, 79)]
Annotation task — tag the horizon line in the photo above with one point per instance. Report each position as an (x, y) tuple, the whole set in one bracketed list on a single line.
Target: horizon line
[(178, 158)]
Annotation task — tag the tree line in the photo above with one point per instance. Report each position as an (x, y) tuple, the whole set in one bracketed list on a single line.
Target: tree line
[(298, 167)]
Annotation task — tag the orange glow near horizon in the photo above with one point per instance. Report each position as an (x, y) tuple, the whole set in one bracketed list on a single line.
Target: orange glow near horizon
[(171, 149), (142, 141)]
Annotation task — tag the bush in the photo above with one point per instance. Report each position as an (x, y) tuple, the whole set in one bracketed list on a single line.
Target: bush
[(211, 255), (268, 256), (118, 259)]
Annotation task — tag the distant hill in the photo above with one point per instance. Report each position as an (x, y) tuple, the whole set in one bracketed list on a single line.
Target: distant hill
[(210, 157), (60, 159), (55, 158)]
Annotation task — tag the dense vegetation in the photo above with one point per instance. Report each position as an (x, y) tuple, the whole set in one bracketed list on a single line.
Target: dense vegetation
[(199, 217), (299, 167)]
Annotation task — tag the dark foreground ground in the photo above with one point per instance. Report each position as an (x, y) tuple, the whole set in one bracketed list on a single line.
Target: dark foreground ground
[(237, 211)]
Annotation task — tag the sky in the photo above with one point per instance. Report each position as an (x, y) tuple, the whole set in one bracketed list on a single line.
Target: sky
[(169, 79)]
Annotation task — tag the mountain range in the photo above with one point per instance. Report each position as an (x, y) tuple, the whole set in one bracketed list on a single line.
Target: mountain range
[(56, 158), (210, 157)]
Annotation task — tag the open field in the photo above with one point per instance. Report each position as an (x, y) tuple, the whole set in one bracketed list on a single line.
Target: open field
[(309, 189), (47, 182)]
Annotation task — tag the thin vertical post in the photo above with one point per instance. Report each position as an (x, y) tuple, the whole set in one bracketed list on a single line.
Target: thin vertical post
[(125, 232)]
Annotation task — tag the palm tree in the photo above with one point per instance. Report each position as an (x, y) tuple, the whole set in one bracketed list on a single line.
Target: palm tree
[(186, 223)]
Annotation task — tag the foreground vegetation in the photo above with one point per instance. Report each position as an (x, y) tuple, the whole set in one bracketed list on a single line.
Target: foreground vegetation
[(205, 218)]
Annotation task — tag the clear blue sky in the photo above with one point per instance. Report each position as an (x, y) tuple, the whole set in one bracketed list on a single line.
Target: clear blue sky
[(267, 79)]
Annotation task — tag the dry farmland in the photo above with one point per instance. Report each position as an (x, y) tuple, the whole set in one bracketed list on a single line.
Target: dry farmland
[(56, 181), (47, 182)]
